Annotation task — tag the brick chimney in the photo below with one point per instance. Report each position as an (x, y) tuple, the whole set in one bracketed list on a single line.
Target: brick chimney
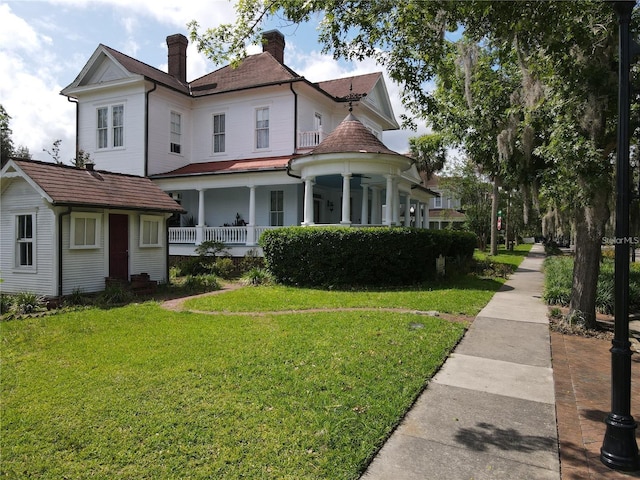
[(177, 56), (273, 43)]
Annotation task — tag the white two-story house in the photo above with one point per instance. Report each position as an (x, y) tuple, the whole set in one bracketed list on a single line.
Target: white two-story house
[(248, 148)]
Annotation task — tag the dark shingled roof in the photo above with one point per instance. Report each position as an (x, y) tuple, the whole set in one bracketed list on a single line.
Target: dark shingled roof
[(341, 87), (351, 136), (68, 185), (139, 68), (230, 166), (254, 70)]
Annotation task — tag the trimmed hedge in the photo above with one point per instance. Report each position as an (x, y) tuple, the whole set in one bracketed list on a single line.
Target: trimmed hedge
[(377, 256)]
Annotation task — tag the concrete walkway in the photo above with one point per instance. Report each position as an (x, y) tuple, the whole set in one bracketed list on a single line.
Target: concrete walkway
[(489, 413)]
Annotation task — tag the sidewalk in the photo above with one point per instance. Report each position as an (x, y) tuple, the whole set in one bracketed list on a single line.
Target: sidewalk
[(490, 412)]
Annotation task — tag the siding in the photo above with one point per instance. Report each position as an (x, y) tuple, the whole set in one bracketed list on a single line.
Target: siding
[(20, 198), (82, 269), (151, 260), (129, 159)]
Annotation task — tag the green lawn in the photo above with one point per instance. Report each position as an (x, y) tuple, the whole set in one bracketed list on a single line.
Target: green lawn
[(504, 256), (140, 392)]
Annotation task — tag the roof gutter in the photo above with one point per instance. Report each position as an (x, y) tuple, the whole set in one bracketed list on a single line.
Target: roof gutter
[(146, 128)]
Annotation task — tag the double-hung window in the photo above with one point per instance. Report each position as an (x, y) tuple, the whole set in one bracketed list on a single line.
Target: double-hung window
[(276, 213), (219, 131), (176, 132), (25, 240), (85, 230), (150, 231), (110, 127), (437, 202), (262, 127)]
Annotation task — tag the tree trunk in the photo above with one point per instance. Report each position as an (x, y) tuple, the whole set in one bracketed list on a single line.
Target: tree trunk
[(589, 223), (494, 218)]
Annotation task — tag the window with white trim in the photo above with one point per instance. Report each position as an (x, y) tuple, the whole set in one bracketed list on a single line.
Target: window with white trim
[(437, 202), (219, 132), (276, 213), (150, 231), (262, 127), (85, 230), (25, 241), (176, 133), (110, 127)]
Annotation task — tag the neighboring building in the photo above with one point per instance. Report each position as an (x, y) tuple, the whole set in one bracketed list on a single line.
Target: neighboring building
[(242, 149), (65, 228), (444, 210)]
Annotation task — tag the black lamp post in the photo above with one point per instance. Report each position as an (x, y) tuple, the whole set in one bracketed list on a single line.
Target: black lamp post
[(619, 448)]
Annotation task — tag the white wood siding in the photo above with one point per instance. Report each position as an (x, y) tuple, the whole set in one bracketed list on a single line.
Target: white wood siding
[(161, 103), (151, 260), (20, 198), (239, 109), (84, 269), (130, 158)]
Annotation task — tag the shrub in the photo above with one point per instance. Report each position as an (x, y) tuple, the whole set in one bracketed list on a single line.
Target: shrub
[(6, 302), (27, 302), (251, 260), (76, 298), (115, 294), (256, 276), (201, 283), (223, 267), (333, 256), (557, 281)]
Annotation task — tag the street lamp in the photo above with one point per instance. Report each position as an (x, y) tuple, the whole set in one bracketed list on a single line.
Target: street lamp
[(619, 449)]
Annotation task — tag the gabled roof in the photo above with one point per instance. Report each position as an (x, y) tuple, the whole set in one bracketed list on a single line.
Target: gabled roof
[(65, 185), (126, 64), (341, 87), (229, 166), (351, 136), (253, 71)]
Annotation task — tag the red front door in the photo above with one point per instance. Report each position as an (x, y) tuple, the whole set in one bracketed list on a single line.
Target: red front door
[(119, 246)]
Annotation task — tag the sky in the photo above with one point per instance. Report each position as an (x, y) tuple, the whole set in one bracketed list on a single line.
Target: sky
[(45, 44)]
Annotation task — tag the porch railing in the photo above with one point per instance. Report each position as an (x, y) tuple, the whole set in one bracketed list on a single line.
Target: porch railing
[(182, 235), (227, 235)]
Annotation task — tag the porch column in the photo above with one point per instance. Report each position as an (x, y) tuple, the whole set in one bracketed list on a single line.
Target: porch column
[(364, 220), (388, 214), (425, 217), (407, 208), (201, 211), (418, 214), (308, 201), (376, 214), (251, 227), (346, 199), (396, 204)]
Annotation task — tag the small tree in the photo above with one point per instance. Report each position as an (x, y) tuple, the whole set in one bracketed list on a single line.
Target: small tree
[(6, 143), (55, 151)]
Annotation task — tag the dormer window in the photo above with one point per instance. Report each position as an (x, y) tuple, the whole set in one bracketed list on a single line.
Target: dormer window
[(110, 127), (176, 133)]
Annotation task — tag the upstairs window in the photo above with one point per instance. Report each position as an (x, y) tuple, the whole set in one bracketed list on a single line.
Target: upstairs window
[(262, 127), (110, 127), (176, 132), (25, 239), (437, 202), (219, 130), (85, 230), (276, 213)]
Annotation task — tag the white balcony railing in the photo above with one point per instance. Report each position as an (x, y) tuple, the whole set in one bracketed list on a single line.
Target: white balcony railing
[(226, 235), (310, 139), (182, 235)]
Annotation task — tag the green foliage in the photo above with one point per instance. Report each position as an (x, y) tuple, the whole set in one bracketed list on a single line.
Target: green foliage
[(430, 152), (115, 294), (208, 261), (6, 302), (558, 280), (201, 283), (251, 260), (256, 276), (77, 297), (25, 303), (337, 256), (6, 142)]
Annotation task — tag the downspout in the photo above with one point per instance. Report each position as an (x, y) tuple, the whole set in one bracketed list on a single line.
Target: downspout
[(60, 249), (146, 129), (166, 245), (75, 100), (295, 118)]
